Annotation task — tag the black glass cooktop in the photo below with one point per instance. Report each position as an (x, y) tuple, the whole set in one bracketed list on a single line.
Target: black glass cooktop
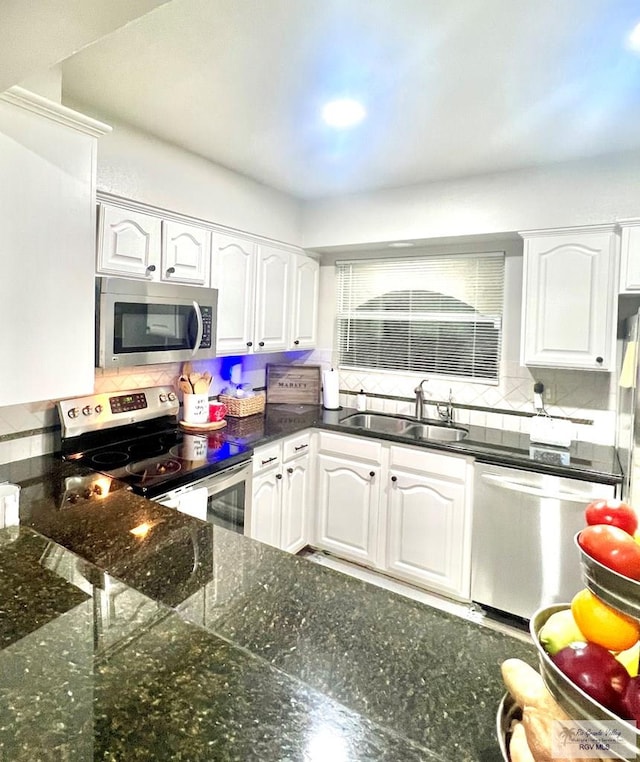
[(155, 457)]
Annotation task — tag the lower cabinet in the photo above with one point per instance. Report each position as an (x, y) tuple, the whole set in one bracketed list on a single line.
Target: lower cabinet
[(280, 493), (404, 511)]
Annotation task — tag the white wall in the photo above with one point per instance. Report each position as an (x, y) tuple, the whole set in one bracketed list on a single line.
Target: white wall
[(135, 165), (572, 193)]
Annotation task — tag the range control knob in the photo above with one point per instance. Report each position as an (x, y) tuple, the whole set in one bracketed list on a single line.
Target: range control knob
[(73, 412), (87, 410), (98, 409), (163, 398), (172, 397)]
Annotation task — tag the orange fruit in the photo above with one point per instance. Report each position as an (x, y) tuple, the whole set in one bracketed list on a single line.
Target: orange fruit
[(601, 624)]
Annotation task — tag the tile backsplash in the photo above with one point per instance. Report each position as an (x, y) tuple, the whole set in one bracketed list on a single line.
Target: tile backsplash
[(588, 399), (33, 429)]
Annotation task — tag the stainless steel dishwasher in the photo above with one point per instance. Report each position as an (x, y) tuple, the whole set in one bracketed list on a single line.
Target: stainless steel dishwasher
[(523, 554)]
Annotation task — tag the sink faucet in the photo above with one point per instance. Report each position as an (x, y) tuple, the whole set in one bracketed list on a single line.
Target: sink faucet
[(419, 392), (445, 410)]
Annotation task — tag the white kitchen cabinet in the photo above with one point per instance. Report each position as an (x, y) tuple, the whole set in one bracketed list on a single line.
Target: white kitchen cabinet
[(304, 302), (273, 299), (348, 477), (134, 244), (280, 493), (186, 253), (427, 528), (233, 274), (254, 296), (403, 511), (570, 281), (47, 232), (630, 257)]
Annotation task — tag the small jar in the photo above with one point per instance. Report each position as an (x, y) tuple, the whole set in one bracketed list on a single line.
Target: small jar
[(361, 401)]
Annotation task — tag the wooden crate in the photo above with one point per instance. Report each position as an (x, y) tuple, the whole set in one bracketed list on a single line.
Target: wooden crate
[(293, 384)]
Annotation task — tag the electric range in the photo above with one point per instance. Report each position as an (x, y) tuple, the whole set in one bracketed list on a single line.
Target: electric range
[(135, 437)]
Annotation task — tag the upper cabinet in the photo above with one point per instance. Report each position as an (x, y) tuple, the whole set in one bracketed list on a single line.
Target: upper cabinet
[(139, 245), (568, 303), (47, 215), (630, 257), (267, 296), (304, 303)]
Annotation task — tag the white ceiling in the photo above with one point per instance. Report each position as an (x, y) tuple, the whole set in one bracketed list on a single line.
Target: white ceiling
[(452, 87)]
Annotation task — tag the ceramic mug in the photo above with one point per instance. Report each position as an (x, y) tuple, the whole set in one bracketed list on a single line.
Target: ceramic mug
[(217, 411), (195, 408)]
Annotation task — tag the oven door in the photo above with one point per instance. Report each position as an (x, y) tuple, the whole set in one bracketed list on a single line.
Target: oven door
[(142, 323), (222, 499)]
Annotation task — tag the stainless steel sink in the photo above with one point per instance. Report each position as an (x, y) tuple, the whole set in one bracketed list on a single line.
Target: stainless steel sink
[(387, 424), (433, 431)]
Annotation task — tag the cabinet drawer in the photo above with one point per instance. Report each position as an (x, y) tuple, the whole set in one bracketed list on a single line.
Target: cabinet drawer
[(266, 457), (423, 461), (296, 446), (359, 447)]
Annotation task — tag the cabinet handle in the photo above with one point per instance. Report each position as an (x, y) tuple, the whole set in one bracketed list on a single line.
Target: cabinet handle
[(289, 470), (296, 342), (268, 460), (300, 447), (151, 269), (372, 474), (170, 270), (278, 476), (261, 343), (599, 360), (249, 343), (394, 478)]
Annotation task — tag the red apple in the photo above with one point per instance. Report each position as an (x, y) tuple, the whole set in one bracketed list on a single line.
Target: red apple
[(631, 700), (613, 512), (596, 671)]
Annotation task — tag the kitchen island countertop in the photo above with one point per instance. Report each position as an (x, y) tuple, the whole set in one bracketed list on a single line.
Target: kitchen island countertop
[(191, 642)]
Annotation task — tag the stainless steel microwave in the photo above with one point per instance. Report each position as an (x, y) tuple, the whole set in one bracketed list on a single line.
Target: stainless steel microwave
[(138, 322)]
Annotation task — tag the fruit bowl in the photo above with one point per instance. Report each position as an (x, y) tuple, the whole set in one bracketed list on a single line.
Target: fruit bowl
[(508, 711), (616, 590), (575, 702)]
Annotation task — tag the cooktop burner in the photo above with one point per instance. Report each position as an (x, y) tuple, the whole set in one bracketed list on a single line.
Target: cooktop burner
[(152, 455)]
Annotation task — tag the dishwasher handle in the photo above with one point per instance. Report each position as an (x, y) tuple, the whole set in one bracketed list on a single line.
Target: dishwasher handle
[(508, 484)]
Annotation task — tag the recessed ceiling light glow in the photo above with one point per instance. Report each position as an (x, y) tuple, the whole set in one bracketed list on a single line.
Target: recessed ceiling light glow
[(401, 245), (633, 40), (343, 112)]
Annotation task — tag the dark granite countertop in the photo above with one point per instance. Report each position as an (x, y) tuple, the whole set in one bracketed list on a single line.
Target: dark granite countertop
[(587, 461), (193, 643)]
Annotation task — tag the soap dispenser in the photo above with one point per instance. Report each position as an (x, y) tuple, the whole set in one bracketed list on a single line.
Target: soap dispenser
[(361, 401)]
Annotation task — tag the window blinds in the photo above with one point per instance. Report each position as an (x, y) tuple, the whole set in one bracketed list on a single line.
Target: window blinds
[(433, 314)]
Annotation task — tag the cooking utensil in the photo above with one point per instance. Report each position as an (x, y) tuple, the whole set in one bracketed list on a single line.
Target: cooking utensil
[(201, 386), (185, 387), (187, 369), (194, 377)]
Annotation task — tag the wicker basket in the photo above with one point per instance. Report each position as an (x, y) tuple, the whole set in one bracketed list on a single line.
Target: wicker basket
[(240, 407)]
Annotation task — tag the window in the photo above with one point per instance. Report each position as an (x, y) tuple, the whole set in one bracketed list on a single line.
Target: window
[(432, 315)]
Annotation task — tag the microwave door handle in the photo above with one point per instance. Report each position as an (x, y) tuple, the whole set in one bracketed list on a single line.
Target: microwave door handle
[(198, 340)]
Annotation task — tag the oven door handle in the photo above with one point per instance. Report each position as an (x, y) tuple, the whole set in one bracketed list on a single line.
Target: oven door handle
[(200, 331)]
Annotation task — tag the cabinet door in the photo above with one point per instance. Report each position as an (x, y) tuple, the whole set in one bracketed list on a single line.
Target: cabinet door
[(630, 259), (273, 295), (425, 530), (265, 507), (304, 313), (295, 496), (47, 203), (185, 253), (568, 319), (128, 243), (233, 262), (347, 521)]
